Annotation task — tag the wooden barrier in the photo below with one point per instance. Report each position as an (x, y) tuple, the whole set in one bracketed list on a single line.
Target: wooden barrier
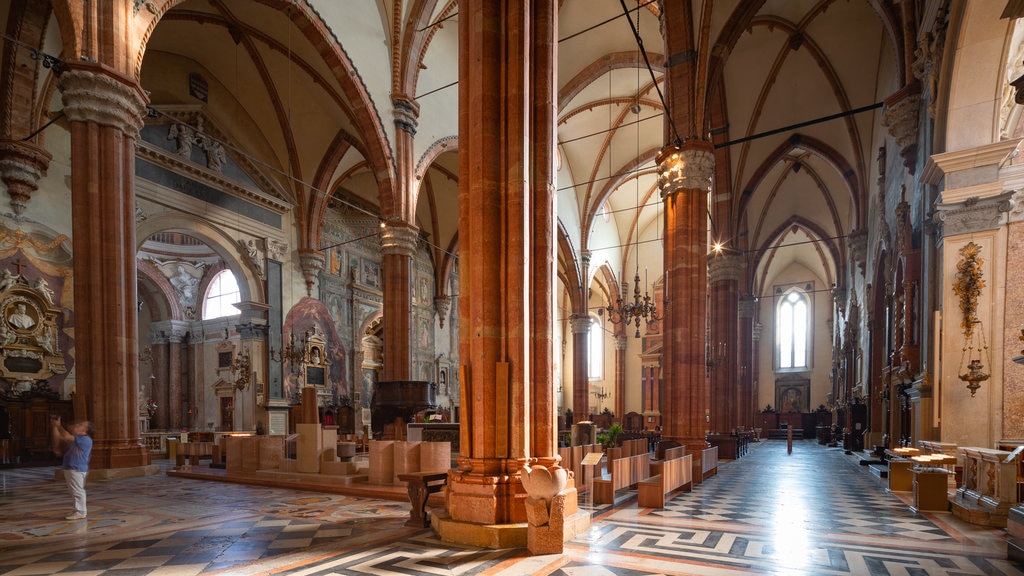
[(625, 473), (675, 474), (572, 459), (708, 462)]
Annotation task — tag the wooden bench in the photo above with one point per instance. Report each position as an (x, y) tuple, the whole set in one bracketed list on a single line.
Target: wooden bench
[(675, 474), (625, 473), (420, 486)]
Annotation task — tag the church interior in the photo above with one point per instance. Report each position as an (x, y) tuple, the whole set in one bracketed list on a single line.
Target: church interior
[(489, 235)]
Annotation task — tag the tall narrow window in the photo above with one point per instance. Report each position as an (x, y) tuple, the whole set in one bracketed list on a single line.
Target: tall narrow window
[(595, 350), (792, 332), (221, 295)]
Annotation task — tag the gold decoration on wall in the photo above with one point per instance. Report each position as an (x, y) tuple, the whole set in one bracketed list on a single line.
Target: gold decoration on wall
[(968, 286)]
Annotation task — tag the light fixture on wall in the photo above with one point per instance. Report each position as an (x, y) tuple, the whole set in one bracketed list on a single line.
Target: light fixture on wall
[(967, 286)]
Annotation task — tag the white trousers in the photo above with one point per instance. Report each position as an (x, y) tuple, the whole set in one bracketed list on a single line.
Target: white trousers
[(76, 486)]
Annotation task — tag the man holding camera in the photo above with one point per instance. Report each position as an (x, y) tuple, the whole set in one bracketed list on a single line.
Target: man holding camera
[(77, 447)]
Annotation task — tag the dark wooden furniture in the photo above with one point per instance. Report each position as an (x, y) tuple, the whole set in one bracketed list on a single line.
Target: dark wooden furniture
[(728, 446), (420, 486), (400, 399)]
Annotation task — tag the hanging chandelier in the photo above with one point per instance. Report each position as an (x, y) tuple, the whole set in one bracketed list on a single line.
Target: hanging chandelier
[(642, 308)]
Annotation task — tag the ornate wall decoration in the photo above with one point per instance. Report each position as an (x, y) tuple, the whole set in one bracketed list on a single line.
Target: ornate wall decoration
[(967, 286), (29, 346)]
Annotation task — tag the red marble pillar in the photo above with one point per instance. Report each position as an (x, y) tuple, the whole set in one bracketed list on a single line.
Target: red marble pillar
[(724, 272), (580, 327), (541, 238), (506, 263), (105, 113), (684, 178), (398, 243)]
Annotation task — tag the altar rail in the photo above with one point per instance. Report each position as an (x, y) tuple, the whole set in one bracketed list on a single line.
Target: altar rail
[(989, 487)]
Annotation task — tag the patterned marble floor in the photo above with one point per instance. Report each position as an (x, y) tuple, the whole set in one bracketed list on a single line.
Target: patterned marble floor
[(812, 512)]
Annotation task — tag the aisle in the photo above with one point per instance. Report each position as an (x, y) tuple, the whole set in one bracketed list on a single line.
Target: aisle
[(813, 512)]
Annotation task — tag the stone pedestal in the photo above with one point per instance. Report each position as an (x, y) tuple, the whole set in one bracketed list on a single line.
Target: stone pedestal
[(435, 456), (382, 461), (901, 477), (549, 528), (307, 448), (930, 489), (584, 433)]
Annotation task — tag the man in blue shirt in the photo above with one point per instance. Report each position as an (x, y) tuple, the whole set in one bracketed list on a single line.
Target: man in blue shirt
[(77, 447)]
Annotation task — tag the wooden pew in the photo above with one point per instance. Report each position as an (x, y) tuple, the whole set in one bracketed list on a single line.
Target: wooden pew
[(675, 473), (625, 473)]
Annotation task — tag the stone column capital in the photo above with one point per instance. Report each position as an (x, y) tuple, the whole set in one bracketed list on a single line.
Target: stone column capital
[(95, 95), (725, 266), (580, 324), (406, 112), (252, 330), (22, 165), (973, 215), (399, 238), (621, 342), (688, 166)]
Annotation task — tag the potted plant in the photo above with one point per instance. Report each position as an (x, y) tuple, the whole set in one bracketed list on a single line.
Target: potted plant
[(609, 440)]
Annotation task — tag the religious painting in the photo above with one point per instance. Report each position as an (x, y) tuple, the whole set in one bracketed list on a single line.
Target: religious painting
[(337, 263), (371, 274), (422, 290), (792, 394)]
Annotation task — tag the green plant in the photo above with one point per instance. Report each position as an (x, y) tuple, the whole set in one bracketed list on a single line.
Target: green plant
[(610, 438)]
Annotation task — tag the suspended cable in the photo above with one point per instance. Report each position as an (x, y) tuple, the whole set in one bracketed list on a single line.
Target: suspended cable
[(647, 62)]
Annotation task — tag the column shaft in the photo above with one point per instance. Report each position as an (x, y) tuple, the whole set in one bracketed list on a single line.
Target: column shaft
[(105, 113)]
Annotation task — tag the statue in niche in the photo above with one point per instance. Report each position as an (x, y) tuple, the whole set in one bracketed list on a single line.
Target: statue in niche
[(184, 136), (186, 285)]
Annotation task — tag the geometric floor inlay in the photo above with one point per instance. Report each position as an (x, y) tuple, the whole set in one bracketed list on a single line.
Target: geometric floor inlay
[(812, 512)]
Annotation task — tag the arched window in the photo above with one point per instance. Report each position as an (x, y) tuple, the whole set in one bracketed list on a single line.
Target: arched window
[(222, 293), (792, 330), (595, 349)]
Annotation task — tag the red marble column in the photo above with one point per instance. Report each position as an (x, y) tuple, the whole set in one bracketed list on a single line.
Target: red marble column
[(541, 238), (105, 113), (580, 327), (398, 243), (506, 263), (685, 177), (724, 272)]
